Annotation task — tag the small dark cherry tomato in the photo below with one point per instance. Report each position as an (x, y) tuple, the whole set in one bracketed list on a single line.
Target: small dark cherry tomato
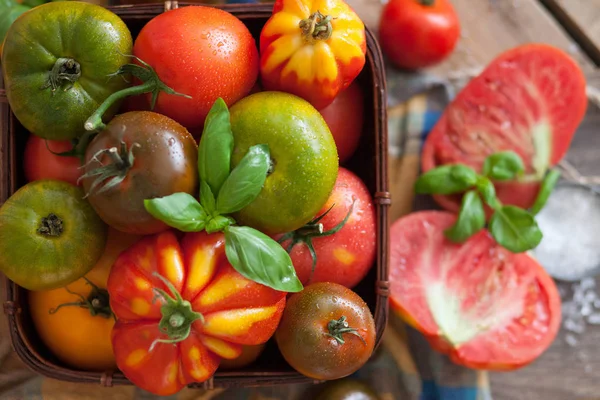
[(139, 155), (326, 332)]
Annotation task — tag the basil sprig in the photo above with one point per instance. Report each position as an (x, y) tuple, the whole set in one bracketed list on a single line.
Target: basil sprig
[(223, 191), (512, 227)]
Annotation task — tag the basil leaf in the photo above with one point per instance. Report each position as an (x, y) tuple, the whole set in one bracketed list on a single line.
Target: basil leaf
[(447, 179), (258, 257), (207, 199), (488, 192), (245, 181), (503, 166), (215, 147), (179, 210), (546, 189), (471, 218), (515, 229), (218, 223)]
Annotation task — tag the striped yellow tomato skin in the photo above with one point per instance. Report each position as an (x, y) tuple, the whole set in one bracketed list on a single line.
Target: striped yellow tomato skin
[(313, 49)]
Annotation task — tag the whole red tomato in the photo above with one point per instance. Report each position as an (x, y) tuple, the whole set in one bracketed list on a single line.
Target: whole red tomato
[(418, 33), (345, 120), (39, 162), (200, 51), (342, 256), (181, 308), (326, 332)]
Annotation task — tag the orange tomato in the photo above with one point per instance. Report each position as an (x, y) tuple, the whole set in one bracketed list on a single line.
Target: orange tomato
[(79, 335), (248, 356)]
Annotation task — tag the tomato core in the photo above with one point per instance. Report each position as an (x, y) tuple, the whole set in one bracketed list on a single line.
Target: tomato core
[(177, 315), (316, 27), (64, 70), (51, 225), (337, 327)]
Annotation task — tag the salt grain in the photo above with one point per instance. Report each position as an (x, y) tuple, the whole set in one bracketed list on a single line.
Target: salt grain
[(594, 319), (571, 340), (576, 326)]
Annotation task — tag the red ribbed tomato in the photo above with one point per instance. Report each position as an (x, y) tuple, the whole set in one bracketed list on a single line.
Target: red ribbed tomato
[(530, 100), (181, 308), (485, 307)]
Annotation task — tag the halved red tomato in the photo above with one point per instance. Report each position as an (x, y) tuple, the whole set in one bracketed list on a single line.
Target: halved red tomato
[(485, 307), (531, 100)]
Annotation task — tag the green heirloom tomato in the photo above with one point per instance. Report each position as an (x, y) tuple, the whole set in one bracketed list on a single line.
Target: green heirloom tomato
[(57, 60), (49, 235), (304, 159)]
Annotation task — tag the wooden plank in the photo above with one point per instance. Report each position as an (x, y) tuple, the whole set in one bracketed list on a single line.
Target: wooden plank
[(490, 27), (581, 18), (563, 371)]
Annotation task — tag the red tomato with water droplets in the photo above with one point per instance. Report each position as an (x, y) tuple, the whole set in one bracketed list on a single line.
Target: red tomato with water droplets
[(204, 311), (200, 51), (344, 257), (485, 307), (530, 100), (39, 162)]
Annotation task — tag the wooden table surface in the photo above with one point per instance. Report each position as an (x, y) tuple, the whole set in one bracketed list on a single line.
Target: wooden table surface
[(489, 27)]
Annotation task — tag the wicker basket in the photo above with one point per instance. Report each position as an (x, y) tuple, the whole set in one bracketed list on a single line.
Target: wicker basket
[(369, 162)]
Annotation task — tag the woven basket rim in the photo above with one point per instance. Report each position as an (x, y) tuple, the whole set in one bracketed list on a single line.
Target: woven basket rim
[(26, 351)]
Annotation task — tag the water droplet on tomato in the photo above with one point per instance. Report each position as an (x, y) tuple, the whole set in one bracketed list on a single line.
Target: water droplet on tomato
[(334, 299)]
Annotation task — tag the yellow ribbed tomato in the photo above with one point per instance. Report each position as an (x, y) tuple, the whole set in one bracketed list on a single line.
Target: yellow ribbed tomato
[(312, 48), (75, 321)]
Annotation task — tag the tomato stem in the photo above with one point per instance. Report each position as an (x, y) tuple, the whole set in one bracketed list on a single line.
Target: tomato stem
[(316, 26), (151, 84), (51, 225), (428, 3), (116, 171), (97, 301), (337, 327), (311, 230), (64, 70), (177, 314)]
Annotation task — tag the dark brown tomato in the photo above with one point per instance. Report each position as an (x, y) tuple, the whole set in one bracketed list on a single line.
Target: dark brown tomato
[(327, 331), (144, 155)]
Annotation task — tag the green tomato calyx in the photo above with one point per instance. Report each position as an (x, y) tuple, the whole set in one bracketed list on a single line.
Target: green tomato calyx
[(151, 84), (316, 27), (427, 3), (64, 71), (51, 225), (177, 314), (121, 161), (97, 301), (312, 230), (337, 327)]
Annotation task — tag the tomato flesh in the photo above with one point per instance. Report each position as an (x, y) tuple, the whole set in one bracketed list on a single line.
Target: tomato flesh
[(485, 307), (529, 100)]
